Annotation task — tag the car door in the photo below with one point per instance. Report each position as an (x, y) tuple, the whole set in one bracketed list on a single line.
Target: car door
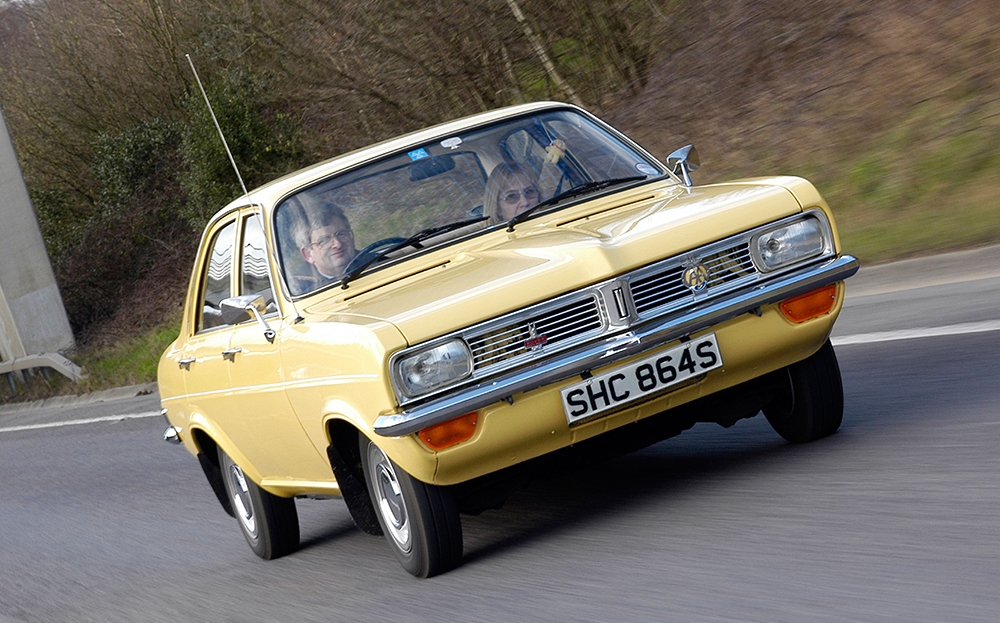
[(260, 419), (206, 372)]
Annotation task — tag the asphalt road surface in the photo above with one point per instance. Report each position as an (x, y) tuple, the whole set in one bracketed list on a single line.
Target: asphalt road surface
[(894, 518)]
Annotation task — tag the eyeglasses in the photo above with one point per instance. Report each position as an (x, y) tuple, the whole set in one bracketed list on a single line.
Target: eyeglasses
[(514, 196), (343, 236)]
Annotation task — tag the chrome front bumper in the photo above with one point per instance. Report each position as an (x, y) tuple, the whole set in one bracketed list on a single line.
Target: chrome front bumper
[(616, 347)]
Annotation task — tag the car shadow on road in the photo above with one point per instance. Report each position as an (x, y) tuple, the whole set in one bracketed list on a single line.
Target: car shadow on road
[(323, 522), (593, 492), (878, 398), (333, 533)]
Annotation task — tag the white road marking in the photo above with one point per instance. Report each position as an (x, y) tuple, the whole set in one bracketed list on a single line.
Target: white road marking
[(871, 287), (912, 334), (107, 418)]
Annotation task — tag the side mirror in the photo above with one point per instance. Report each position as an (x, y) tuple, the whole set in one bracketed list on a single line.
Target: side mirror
[(237, 309), (683, 161)]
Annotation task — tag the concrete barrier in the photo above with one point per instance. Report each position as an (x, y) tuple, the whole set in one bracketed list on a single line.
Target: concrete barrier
[(34, 328)]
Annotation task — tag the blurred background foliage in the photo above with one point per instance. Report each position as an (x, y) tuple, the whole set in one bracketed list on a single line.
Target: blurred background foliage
[(892, 107)]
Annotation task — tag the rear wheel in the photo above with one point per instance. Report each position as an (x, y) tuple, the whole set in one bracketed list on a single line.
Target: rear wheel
[(269, 523), (812, 405), (419, 520)]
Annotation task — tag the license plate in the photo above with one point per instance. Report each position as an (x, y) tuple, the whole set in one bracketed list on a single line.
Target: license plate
[(650, 375)]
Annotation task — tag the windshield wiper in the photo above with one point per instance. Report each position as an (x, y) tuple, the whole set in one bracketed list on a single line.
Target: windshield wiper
[(412, 241), (573, 192)]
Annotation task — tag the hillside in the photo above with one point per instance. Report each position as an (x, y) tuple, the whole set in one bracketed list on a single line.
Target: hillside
[(892, 107)]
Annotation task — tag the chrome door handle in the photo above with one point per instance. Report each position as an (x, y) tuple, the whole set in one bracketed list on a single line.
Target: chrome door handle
[(186, 363), (231, 353)]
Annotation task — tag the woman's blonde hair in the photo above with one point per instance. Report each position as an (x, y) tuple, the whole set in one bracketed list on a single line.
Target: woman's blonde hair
[(502, 175)]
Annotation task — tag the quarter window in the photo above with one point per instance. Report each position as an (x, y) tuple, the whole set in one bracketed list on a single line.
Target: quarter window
[(217, 277), (253, 262)]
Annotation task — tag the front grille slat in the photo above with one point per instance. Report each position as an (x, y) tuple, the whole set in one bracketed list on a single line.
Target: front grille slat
[(654, 292), (663, 289), (564, 323)]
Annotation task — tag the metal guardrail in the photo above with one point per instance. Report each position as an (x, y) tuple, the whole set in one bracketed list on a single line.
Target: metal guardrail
[(44, 360)]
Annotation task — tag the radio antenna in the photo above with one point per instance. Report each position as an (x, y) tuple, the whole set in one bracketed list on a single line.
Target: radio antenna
[(217, 127), (268, 248)]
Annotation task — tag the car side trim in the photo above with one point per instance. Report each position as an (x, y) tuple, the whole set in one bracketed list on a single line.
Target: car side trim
[(617, 347)]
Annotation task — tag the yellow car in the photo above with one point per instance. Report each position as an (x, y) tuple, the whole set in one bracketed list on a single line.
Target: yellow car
[(418, 326)]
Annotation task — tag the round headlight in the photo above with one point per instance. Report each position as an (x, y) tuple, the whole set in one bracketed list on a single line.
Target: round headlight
[(789, 244), (434, 367)]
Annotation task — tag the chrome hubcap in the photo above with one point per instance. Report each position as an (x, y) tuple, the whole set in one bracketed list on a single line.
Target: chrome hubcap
[(390, 502), (241, 499)]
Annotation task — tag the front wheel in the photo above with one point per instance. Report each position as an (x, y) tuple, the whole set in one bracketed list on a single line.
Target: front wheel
[(812, 404), (419, 520), (269, 523)]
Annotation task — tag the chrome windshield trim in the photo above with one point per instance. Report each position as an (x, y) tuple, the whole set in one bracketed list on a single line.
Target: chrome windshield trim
[(617, 347)]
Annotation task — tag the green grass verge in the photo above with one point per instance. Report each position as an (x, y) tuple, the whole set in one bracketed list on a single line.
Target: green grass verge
[(930, 184), (128, 362), (131, 361)]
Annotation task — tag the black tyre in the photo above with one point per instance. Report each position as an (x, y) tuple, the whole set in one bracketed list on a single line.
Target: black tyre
[(812, 405), (269, 523), (420, 521)]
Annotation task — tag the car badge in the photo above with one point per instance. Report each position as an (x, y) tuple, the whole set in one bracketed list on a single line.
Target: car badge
[(696, 277), (534, 341)]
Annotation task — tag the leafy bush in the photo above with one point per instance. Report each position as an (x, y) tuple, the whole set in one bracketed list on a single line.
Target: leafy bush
[(135, 162), (263, 144), (134, 225)]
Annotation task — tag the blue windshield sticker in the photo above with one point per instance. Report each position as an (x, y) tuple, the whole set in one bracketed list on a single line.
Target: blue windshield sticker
[(417, 154)]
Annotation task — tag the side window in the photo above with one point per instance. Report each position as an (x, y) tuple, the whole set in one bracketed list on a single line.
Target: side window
[(601, 156), (524, 147), (216, 278), (253, 262)]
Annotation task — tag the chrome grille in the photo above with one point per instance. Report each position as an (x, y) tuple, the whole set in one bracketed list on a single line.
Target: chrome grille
[(729, 265), (666, 287), (660, 289), (556, 325)]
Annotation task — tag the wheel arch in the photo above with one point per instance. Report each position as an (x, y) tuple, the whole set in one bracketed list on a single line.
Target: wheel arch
[(208, 458), (345, 459)]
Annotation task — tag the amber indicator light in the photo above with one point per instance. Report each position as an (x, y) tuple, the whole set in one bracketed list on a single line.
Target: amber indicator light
[(447, 434), (810, 304)]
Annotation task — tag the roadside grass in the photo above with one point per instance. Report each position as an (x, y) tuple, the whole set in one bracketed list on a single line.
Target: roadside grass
[(928, 185), (937, 223), (130, 361)]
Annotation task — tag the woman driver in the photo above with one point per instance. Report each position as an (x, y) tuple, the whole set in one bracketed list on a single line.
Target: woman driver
[(510, 190)]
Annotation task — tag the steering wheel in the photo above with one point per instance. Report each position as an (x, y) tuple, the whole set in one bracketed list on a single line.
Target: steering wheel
[(366, 254)]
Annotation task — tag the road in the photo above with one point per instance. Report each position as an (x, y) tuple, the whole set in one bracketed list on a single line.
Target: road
[(894, 518)]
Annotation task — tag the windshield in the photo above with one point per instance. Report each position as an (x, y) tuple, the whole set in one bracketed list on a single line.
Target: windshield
[(452, 187)]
